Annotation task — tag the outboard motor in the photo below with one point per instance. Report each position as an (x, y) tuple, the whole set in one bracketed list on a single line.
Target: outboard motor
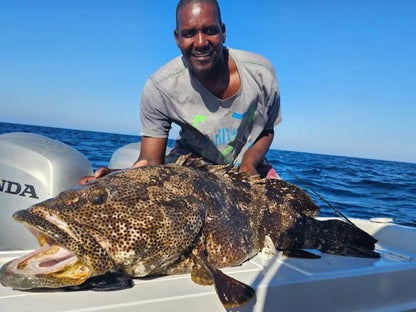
[(125, 156), (33, 168)]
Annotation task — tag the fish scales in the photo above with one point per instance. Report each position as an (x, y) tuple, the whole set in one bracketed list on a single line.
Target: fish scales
[(178, 218)]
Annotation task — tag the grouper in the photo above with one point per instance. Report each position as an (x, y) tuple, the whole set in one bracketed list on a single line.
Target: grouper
[(186, 217)]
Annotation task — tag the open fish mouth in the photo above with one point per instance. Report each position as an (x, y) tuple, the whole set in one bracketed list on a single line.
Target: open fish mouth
[(50, 266)]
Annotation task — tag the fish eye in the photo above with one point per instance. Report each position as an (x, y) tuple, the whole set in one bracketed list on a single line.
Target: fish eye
[(98, 197)]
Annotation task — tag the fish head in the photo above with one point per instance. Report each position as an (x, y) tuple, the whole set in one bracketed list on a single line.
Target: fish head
[(137, 221), (68, 253)]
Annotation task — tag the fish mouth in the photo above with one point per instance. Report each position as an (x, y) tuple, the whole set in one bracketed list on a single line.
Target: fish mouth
[(50, 266), (60, 261)]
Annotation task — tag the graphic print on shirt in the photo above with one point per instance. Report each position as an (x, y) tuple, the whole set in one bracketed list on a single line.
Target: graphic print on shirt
[(225, 137), (197, 120), (241, 137)]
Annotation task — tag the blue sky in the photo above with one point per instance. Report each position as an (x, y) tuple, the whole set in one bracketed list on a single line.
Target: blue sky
[(346, 69)]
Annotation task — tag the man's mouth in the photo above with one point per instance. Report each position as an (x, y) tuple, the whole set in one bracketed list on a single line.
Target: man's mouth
[(205, 54)]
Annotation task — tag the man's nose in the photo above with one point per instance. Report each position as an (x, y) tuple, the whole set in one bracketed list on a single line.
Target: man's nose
[(201, 40)]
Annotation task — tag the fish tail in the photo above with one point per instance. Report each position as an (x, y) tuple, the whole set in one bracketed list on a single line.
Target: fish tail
[(330, 236), (340, 238)]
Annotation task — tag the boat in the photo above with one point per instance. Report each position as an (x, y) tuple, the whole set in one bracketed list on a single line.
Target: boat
[(331, 283)]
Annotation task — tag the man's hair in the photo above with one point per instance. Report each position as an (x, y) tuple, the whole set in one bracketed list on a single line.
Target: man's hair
[(184, 3)]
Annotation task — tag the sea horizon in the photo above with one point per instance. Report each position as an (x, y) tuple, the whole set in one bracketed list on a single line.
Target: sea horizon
[(172, 139)]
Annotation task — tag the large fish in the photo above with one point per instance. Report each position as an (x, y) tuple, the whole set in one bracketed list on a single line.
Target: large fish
[(171, 219)]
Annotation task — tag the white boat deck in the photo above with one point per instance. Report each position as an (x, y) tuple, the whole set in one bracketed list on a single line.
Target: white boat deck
[(332, 283)]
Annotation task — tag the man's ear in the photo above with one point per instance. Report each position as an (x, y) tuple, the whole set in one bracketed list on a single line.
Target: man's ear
[(176, 34), (223, 32)]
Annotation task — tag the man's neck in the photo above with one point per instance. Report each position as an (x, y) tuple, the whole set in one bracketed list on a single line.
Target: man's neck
[(223, 81)]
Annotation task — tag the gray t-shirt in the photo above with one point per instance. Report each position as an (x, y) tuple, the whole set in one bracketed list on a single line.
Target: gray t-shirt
[(218, 130)]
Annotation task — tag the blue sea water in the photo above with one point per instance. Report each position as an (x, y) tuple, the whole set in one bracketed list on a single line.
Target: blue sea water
[(362, 188)]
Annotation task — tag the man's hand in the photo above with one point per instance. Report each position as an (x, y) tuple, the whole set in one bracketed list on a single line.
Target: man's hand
[(140, 163), (249, 168), (100, 172), (103, 171), (253, 157)]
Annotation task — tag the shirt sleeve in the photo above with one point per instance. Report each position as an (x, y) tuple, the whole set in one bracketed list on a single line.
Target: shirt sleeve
[(153, 114), (273, 111)]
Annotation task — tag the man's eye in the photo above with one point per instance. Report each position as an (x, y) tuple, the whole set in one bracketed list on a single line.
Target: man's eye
[(188, 34), (210, 31)]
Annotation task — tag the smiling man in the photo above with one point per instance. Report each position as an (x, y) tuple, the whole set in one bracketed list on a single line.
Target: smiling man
[(226, 101), (200, 35)]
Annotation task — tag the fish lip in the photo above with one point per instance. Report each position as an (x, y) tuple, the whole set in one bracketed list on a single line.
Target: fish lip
[(37, 224)]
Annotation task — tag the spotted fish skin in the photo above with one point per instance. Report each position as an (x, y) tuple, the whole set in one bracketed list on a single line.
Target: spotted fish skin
[(142, 219), (243, 210), (170, 219)]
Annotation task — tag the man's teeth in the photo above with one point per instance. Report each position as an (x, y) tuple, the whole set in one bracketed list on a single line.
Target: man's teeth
[(202, 54)]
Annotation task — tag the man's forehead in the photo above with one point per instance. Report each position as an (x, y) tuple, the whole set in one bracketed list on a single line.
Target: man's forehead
[(197, 11)]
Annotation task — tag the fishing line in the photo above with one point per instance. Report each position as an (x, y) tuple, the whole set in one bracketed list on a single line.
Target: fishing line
[(321, 198), (412, 223)]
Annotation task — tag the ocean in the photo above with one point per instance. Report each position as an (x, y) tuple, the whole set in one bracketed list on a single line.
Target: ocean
[(362, 188)]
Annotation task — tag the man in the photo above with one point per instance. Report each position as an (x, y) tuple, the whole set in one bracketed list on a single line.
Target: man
[(226, 101)]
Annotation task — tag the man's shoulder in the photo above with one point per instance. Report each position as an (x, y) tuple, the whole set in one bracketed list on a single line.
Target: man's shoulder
[(171, 70), (252, 60)]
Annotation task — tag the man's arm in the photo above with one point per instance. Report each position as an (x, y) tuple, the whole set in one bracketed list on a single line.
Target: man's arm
[(152, 151), (255, 154)]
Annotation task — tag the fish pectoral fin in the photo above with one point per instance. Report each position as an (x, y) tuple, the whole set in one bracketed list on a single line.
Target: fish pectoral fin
[(200, 276), (300, 253), (231, 292), (109, 281), (269, 247)]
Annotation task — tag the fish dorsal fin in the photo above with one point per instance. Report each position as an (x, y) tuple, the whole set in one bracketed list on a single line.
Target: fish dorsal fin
[(232, 172), (198, 163), (188, 161), (235, 174)]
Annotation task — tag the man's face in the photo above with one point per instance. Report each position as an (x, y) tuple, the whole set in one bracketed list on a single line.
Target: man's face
[(200, 36)]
